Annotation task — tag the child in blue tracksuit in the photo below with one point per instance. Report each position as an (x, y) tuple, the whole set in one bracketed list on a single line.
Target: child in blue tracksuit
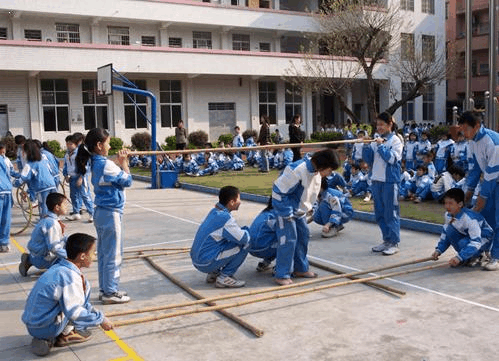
[(452, 178), (36, 174), (220, 245), (410, 149), (423, 148), (283, 158), (358, 185), (443, 152), (332, 210), (465, 230), (210, 165), (77, 183), (190, 166), (357, 148), (109, 181), (263, 243), (47, 243), (58, 309), (459, 152), (384, 155), (336, 181), (293, 195), (54, 163), (5, 199)]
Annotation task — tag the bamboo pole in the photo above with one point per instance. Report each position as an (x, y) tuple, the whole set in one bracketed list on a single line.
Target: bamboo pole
[(379, 286), (256, 331), (239, 149), (139, 250), (269, 289), (138, 256), (274, 296)]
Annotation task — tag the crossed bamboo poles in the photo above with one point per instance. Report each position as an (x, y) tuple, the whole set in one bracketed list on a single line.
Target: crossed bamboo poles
[(222, 307)]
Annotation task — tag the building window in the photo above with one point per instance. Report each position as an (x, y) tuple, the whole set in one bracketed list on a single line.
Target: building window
[(68, 33), (33, 35), (170, 100), (135, 108), (117, 35), (3, 33), (265, 4), (55, 104), (428, 48), (175, 42), (239, 2), (407, 108), (201, 39), (429, 103), (267, 98), (148, 40), (428, 6), (406, 46), (407, 5), (293, 101), (484, 69), (94, 107), (265, 47), (240, 42), (446, 10)]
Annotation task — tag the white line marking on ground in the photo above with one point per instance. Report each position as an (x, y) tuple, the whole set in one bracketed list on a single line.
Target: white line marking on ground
[(413, 286), (157, 244), (165, 214)]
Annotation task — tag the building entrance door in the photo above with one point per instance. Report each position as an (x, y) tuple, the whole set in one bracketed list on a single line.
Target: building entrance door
[(222, 117), (4, 121)]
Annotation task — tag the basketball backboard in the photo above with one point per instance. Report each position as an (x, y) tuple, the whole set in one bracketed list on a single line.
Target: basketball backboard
[(105, 80)]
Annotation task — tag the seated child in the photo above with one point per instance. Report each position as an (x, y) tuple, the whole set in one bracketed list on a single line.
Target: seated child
[(220, 245), (336, 181), (58, 310), (423, 147), (428, 162), (347, 170), (358, 185), (452, 178), (190, 166), (263, 243), (465, 230), (210, 165), (419, 187), (47, 241), (332, 210)]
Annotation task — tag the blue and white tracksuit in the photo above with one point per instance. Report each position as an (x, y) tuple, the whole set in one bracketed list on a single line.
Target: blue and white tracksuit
[(191, 167), (442, 153), (199, 158), (359, 184), (109, 183), (347, 170), (283, 158), (336, 180), (424, 147), (79, 195), (444, 183), (237, 142), (484, 149), (333, 208), (211, 167), (409, 154), (357, 153), (54, 165), (348, 135), (250, 155), (460, 155), (47, 243), (61, 295), (385, 160), (263, 243), (220, 245), (293, 195), (468, 232), (39, 180), (5, 200), (432, 171), (233, 162)]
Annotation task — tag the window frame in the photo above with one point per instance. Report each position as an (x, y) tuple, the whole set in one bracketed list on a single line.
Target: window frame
[(293, 100), (95, 103), (428, 47), (407, 46), (4, 33), (113, 33), (55, 94), (166, 93), (429, 104), (428, 6), (140, 102), (173, 40), (241, 42), (409, 107), (264, 92), (202, 40), (29, 34), (145, 40), (407, 5), (67, 33)]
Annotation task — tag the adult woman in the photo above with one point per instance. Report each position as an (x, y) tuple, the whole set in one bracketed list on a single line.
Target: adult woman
[(384, 155), (296, 135), (180, 135)]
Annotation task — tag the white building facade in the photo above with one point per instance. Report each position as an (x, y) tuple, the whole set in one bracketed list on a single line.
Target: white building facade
[(212, 64)]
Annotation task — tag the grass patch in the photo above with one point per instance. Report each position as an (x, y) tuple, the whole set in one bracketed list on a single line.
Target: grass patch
[(251, 181)]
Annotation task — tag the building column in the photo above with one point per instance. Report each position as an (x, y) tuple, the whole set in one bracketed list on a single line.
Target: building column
[(163, 35), (277, 4), (94, 31), (254, 107), (34, 111), (307, 111), (189, 104), (225, 43), (16, 32)]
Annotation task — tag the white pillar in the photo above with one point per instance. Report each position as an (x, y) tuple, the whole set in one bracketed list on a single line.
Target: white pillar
[(94, 32), (35, 117), (276, 4)]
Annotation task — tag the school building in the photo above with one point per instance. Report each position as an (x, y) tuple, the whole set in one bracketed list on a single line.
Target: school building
[(213, 64)]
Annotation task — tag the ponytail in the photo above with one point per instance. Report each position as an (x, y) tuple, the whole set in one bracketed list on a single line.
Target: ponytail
[(82, 158), (94, 136)]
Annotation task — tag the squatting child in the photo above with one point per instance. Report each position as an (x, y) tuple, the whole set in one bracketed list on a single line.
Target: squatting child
[(263, 243)]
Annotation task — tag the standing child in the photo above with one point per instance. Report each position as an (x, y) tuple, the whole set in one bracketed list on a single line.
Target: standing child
[(424, 147), (220, 245), (443, 152), (293, 195), (109, 180), (58, 308), (464, 229), (5, 200), (460, 152), (47, 243), (357, 148), (409, 154)]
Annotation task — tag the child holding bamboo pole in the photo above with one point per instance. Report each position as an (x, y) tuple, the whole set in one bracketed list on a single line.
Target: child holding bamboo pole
[(465, 230), (220, 245)]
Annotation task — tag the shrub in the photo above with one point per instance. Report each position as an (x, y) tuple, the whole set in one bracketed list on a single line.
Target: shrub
[(198, 138), (250, 133), (10, 147), (141, 141), (226, 138), (438, 131), (56, 149), (171, 142), (326, 137), (116, 145)]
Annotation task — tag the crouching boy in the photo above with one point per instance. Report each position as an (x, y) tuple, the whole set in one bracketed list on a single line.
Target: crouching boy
[(220, 245), (58, 310), (464, 229)]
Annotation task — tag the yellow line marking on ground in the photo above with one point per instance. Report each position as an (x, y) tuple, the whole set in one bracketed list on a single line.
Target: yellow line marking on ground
[(18, 246), (130, 353)]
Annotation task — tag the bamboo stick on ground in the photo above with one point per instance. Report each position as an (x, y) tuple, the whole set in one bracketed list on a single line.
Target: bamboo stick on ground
[(269, 289), (379, 286), (256, 331), (137, 256), (274, 296), (138, 250)]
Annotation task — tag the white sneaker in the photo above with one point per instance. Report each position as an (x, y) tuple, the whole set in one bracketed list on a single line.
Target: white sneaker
[(121, 293), (493, 265), (228, 282), (381, 247), (73, 217), (117, 297), (367, 198), (391, 250), (333, 232)]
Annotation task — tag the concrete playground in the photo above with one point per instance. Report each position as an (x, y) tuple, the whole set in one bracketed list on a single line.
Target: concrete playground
[(446, 314)]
